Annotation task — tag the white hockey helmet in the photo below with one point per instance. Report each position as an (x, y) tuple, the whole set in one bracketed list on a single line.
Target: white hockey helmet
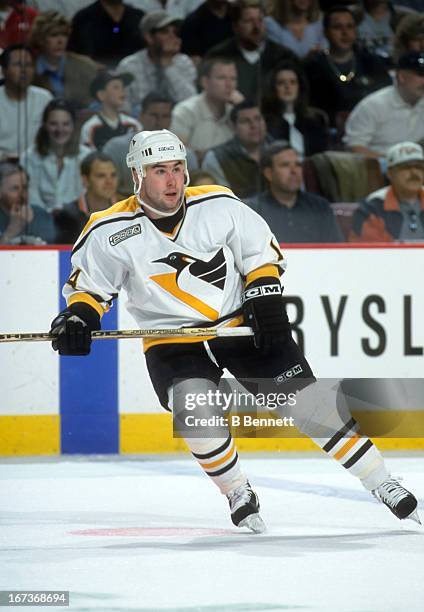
[(148, 148)]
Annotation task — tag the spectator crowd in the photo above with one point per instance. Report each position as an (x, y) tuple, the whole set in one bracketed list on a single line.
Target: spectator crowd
[(311, 111)]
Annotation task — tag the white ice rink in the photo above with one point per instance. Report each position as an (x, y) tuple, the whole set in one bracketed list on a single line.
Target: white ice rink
[(154, 535)]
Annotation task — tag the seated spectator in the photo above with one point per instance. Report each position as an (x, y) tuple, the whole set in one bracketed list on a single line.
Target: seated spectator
[(109, 89), (376, 29), (15, 22), (21, 104), (253, 55), (67, 8), (287, 114), (203, 121), (409, 35), (292, 214), (395, 212), (20, 222), (297, 25), (155, 115), (177, 8), (66, 74), (201, 177), (53, 161), (340, 78), (107, 31), (205, 27), (392, 114), (160, 67), (236, 163), (100, 182)]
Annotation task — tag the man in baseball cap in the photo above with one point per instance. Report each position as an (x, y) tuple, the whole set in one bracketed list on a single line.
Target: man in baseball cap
[(395, 212), (160, 67), (108, 88)]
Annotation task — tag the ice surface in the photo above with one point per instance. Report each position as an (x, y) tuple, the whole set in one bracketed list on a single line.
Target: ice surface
[(155, 534)]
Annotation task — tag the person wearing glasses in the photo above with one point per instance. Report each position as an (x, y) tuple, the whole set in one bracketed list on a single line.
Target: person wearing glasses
[(395, 212)]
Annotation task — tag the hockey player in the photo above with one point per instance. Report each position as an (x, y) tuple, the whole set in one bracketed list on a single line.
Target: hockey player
[(186, 255)]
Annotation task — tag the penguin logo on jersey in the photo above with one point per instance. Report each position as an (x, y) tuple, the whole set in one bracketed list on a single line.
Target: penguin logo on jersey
[(190, 270)]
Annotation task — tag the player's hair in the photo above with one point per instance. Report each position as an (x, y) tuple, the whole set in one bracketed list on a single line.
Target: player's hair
[(45, 24), (42, 139), (155, 98), (245, 105), (8, 168), (91, 158), (273, 149), (338, 8), (236, 8), (7, 53), (411, 26), (206, 67)]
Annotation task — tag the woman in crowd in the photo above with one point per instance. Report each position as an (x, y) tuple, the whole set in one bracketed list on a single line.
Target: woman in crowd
[(287, 114), (53, 162), (67, 75), (295, 24)]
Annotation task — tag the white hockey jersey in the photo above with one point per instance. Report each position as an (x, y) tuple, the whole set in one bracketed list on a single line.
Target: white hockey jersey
[(193, 276)]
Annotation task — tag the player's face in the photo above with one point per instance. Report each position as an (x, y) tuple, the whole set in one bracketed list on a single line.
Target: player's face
[(157, 116), (163, 185), (285, 175), (20, 70), (250, 127), (221, 83), (14, 191), (407, 178), (55, 44), (113, 94), (250, 28), (59, 126), (341, 32), (102, 182), (287, 86)]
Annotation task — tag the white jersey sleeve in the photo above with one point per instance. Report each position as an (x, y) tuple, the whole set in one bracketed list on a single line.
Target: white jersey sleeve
[(253, 243), (96, 277)]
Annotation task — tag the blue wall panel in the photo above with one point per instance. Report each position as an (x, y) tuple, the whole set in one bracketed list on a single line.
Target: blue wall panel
[(89, 389)]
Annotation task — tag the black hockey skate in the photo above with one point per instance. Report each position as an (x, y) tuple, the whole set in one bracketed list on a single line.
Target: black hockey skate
[(244, 506), (398, 499)]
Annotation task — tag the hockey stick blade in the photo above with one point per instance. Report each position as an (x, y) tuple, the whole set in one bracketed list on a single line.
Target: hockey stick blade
[(123, 334)]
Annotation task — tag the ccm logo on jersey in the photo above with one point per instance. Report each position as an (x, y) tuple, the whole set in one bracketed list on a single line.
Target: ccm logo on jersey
[(134, 230), (262, 290), (294, 371)]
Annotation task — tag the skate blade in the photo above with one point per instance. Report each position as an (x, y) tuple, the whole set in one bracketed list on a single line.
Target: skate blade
[(254, 523), (414, 516)]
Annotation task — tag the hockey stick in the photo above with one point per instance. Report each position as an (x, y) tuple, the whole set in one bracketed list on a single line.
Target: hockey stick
[(199, 332)]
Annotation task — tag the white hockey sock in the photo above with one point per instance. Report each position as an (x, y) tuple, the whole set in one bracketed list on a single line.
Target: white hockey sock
[(332, 427), (219, 459)]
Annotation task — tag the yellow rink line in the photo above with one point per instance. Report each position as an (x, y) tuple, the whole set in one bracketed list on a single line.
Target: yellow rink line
[(152, 433)]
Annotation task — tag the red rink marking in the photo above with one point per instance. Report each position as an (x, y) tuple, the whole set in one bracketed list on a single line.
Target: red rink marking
[(153, 531)]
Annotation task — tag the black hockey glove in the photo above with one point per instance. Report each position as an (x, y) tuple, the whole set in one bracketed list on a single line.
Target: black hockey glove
[(72, 328), (265, 312)]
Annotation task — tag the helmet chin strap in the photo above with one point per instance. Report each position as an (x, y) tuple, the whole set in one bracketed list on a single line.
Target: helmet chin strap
[(151, 208)]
